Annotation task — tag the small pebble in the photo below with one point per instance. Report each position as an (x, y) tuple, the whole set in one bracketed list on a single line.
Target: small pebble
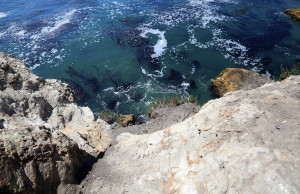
[(277, 127)]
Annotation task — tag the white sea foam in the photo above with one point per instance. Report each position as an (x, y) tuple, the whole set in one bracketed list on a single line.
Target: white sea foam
[(62, 20), (21, 33), (3, 15), (155, 74), (185, 85), (161, 44)]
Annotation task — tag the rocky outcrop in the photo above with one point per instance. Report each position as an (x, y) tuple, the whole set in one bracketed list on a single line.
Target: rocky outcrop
[(245, 142), (233, 79), (126, 120), (36, 161), (42, 129), (293, 13)]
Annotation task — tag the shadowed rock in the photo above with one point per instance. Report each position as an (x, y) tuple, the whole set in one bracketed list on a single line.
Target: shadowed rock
[(80, 93)]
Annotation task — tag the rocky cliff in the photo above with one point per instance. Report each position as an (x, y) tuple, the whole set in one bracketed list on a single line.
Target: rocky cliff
[(244, 142), (43, 133)]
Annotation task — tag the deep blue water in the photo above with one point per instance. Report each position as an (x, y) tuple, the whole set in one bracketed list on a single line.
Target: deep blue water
[(122, 54)]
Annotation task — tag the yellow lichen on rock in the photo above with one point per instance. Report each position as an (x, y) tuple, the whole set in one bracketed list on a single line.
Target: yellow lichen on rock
[(126, 120), (293, 13), (233, 79)]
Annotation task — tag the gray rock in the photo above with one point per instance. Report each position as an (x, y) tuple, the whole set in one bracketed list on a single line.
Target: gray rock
[(34, 159), (230, 146), (38, 120)]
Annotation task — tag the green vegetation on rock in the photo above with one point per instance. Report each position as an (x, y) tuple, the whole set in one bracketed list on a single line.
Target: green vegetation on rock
[(170, 102), (107, 116), (286, 72)]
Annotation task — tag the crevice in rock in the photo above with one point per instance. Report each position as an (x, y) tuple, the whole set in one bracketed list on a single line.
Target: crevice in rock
[(101, 155), (87, 161)]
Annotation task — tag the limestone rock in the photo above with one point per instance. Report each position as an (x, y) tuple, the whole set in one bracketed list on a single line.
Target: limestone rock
[(293, 13), (233, 79), (233, 145), (126, 120), (40, 108), (34, 160), (47, 102)]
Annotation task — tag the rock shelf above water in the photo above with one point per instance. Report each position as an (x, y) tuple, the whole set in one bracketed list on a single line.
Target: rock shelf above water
[(293, 13)]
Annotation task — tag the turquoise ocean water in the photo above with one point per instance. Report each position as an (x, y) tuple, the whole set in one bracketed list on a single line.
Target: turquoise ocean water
[(121, 54)]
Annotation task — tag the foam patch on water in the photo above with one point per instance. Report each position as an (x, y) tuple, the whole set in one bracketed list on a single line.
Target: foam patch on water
[(3, 15), (160, 46), (33, 42), (56, 25), (155, 74), (147, 89)]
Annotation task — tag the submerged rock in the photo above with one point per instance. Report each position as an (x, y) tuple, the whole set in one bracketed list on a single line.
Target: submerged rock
[(233, 79), (293, 13), (42, 131)]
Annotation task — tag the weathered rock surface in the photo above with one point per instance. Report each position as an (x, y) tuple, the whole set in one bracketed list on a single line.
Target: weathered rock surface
[(245, 142), (233, 79), (39, 125), (36, 161), (161, 118), (293, 13), (126, 120)]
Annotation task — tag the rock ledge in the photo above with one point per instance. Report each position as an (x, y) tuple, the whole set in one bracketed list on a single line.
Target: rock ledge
[(42, 131)]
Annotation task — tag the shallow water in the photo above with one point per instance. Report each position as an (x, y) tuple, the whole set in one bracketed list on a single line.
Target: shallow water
[(122, 54)]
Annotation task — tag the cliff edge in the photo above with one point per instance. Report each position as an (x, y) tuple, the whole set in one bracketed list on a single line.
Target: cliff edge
[(244, 142), (45, 137)]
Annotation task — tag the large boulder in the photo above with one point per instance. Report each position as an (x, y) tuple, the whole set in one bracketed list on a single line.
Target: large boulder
[(293, 13), (39, 108), (245, 142), (233, 79), (34, 160)]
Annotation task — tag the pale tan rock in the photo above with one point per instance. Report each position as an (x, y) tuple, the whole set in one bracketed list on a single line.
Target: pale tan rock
[(42, 131), (233, 145), (47, 102)]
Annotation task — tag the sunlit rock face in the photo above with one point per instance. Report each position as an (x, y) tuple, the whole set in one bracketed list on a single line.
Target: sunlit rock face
[(244, 142), (233, 79), (42, 131), (293, 13)]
